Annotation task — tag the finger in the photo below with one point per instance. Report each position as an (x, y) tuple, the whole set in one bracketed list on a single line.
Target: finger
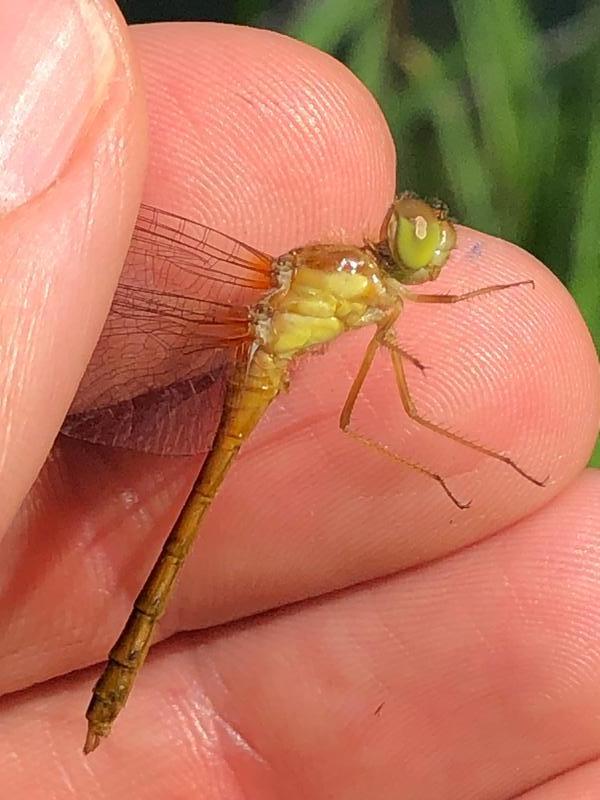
[(72, 146), (262, 136), (487, 660), (524, 352), (323, 514), (318, 128), (579, 782)]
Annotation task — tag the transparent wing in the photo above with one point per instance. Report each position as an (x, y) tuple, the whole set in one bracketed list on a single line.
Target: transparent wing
[(198, 255), (178, 323)]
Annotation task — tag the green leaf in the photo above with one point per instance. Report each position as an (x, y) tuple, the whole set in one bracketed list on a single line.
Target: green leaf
[(324, 24)]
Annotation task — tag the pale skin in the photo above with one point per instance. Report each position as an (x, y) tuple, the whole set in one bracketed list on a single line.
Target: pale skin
[(487, 658)]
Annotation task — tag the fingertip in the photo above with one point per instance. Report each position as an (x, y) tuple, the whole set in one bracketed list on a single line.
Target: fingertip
[(262, 136)]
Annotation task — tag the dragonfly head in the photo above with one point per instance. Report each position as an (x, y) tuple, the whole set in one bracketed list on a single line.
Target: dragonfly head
[(419, 236)]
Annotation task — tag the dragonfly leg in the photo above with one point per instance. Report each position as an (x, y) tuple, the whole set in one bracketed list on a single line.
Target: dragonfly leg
[(358, 381), (384, 336), (416, 297), (412, 412), (382, 448), (390, 340)]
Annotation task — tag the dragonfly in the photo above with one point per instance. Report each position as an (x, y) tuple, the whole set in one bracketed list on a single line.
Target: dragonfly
[(213, 321)]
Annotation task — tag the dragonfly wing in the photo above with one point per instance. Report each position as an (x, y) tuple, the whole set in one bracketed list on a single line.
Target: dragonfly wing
[(191, 258), (178, 420), (178, 321)]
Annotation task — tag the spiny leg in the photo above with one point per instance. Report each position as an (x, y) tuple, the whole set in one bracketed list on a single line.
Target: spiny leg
[(416, 297), (390, 336), (412, 412), (358, 381), (345, 416), (382, 448), (409, 357), (383, 331)]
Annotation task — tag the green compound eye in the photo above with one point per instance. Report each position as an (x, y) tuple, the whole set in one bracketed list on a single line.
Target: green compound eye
[(417, 241), (420, 238)]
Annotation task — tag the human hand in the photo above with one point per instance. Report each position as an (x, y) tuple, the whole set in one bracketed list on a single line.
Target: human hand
[(474, 675)]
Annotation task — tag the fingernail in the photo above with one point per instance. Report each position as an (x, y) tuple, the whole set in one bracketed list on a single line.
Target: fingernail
[(56, 60)]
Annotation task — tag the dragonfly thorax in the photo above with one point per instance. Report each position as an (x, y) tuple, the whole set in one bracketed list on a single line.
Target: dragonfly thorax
[(332, 289)]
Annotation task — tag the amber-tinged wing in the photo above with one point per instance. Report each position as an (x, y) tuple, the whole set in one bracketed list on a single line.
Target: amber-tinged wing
[(178, 322), (198, 259)]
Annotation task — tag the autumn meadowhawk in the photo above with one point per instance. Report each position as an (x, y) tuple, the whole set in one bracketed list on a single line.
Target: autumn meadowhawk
[(213, 321)]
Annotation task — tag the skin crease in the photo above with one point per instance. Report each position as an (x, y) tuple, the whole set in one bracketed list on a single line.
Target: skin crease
[(448, 661)]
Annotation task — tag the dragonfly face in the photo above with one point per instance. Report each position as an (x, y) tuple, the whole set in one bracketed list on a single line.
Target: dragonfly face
[(417, 239)]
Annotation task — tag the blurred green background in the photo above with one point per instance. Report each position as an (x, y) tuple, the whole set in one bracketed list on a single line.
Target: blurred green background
[(495, 107)]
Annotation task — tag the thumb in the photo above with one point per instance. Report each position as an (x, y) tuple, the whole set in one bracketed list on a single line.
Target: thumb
[(72, 158)]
